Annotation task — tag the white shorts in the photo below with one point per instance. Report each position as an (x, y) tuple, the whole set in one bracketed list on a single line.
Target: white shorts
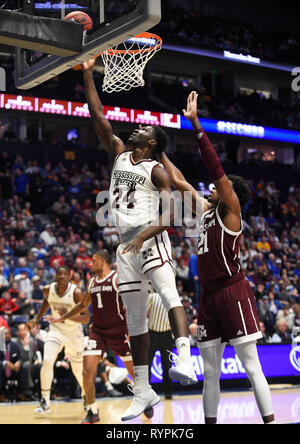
[(132, 269), (73, 341), (153, 266)]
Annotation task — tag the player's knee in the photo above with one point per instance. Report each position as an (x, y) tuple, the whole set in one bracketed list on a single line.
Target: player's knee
[(170, 297)]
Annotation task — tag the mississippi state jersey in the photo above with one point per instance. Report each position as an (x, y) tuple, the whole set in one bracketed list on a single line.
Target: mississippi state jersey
[(134, 198), (65, 303), (107, 304), (218, 251)]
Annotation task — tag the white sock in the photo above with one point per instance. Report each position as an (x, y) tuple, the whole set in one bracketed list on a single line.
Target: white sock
[(142, 376), (46, 396), (108, 386), (183, 347), (94, 408)]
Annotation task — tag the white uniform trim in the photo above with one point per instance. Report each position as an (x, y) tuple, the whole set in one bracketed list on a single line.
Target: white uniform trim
[(232, 233), (242, 317)]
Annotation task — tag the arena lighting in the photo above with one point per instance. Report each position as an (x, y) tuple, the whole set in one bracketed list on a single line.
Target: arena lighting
[(239, 58), (242, 57), (128, 115)]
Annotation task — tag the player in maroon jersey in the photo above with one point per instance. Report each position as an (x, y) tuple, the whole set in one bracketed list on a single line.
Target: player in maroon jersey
[(227, 311), (109, 328)]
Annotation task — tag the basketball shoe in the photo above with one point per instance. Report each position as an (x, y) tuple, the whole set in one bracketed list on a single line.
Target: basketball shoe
[(183, 371), (142, 400), (91, 418), (44, 407)]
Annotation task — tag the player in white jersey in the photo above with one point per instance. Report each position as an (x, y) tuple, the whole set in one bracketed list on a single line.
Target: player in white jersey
[(136, 182), (61, 296)]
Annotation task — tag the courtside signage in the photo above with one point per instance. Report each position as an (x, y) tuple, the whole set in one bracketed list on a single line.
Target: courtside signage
[(144, 117), (277, 360)]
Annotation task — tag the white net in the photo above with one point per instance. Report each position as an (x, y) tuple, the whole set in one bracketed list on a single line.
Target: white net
[(125, 64)]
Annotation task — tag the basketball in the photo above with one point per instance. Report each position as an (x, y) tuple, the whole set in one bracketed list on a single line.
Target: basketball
[(82, 18)]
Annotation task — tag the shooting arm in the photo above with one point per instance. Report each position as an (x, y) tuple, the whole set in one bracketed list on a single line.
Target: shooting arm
[(211, 159), (103, 128)]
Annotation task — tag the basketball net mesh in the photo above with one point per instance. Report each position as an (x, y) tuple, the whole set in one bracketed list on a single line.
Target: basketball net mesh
[(125, 64)]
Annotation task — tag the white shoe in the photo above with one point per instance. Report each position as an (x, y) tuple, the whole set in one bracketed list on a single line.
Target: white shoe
[(44, 407), (183, 371), (142, 401)]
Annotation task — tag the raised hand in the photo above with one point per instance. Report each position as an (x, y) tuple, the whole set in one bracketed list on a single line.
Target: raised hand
[(191, 112), (89, 65)]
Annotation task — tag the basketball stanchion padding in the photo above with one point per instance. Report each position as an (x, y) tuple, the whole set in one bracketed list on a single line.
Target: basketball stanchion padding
[(48, 35), (124, 65)]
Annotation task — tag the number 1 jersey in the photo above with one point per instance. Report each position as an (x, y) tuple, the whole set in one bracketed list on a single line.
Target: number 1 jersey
[(134, 198)]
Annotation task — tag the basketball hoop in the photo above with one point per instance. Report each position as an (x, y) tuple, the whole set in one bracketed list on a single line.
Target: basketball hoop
[(125, 64)]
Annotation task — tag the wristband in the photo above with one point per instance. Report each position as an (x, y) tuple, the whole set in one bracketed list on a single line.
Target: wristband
[(198, 133)]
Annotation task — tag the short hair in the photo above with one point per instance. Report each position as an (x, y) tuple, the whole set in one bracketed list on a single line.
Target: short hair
[(65, 267), (241, 188), (161, 138), (104, 254)]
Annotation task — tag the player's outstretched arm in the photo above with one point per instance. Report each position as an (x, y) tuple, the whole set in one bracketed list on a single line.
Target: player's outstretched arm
[(211, 159), (180, 183), (103, 128)]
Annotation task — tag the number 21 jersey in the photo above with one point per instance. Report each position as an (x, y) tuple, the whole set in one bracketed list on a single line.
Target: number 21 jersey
[(218, 252)]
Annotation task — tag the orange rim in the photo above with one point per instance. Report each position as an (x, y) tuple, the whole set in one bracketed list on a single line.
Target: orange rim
[(143, 35)]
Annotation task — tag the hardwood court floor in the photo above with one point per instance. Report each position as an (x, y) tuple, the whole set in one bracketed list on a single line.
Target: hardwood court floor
[(235, 408)]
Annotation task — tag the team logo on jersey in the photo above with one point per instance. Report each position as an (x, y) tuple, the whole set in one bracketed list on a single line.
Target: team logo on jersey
[(147, 254), (202, 333), (131, 180)]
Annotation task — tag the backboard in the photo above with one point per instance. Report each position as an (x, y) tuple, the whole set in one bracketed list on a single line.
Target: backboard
[(114, 21)]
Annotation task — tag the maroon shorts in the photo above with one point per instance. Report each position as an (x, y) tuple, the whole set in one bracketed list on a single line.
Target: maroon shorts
[(117, 341), (228, 315)]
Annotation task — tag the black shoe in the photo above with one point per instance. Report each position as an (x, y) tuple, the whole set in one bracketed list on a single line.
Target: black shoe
[(91, 418), (149, 413), (168, 396)]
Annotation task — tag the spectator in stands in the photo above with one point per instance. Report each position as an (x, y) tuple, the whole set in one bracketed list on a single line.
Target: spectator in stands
[(56, 256), (263, 245), (61, 208), (7, 307), (26, 309), (191, 312), (282, 334), (11, 369), (48, 237), (29, 357), (193, 334), (23, 268)]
